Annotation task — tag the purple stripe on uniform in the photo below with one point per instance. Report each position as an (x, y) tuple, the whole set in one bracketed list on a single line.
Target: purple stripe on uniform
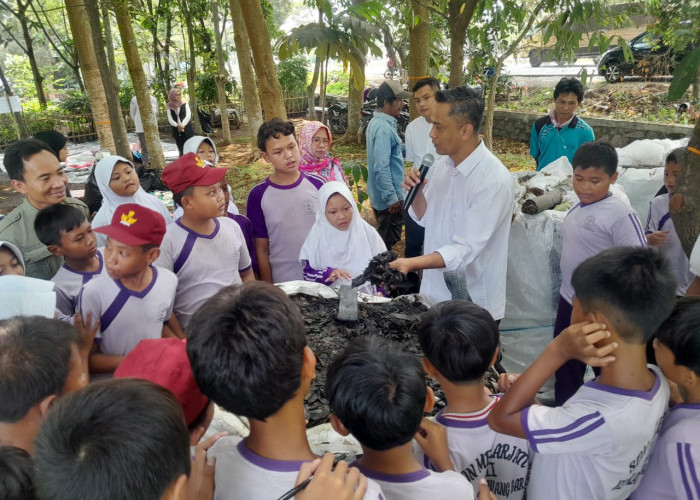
[(217, 225), (569, 427), (637, 229), (648, 395), (88, 276), (144, 292), (461, 424), (288, 186), (409, 477), (185, 252), (574, 435), (686, 485), (663, 220), (691, 468), (114, 308), (528, 434), (269, 463), (316, 180), (646, 228)]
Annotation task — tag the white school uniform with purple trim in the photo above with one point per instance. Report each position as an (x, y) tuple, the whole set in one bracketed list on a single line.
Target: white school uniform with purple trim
[(127, 317), (284, 215), (478, 452), (660, 220), (243, 475), (597, 445), (69, 283), (674, 469), (423, 484), (588, 229), (204, 264)]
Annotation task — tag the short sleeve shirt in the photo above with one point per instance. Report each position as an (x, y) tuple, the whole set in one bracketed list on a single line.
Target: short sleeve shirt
[(421, 485), (69, 283)]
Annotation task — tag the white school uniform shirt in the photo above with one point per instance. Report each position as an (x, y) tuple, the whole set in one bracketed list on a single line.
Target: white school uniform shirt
[(674, 468), (421, 485), (127, 317), (243, 475), (659, 219), (467, 221), (69, 283), (204, 264), (590, 228), (477, 451), (597, 445)]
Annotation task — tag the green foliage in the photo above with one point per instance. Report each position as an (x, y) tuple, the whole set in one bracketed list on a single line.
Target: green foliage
[(356, 174), (292, 75), (338, 83), (75, 103), (126, 93), (206, 89), (684, 74)]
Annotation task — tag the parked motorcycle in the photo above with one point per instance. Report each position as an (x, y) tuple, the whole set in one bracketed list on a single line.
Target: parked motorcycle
[(368, 109), (337, 118)]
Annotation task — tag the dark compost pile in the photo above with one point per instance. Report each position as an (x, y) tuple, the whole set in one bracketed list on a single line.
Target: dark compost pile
[(396, 320)]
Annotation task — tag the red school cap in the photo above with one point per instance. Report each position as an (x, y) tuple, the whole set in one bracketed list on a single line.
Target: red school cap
[(165, 362), (133, 224), (190, 170)]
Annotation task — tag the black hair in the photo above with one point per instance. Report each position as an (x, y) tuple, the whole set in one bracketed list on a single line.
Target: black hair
[(245, 346), (382, 100), (20, 151), (16, 474), (633, 286), (596, 154), (569, 84), (200, 419), (377, 390), (433, 82), (177, 197), (148, 246), (274, 128), (459, 339), (671, 158), (51, 222), (114, 439), (35, 355), (680, 332), (466, 105), (56, 140)]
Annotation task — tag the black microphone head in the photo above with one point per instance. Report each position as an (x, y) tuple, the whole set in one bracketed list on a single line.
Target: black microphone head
[(428, 160)]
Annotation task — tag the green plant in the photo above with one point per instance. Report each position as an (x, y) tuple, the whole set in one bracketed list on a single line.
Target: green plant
[(126, 92), (206, 89), (292, 74), (356, 173), (75, 103), (338, 83)]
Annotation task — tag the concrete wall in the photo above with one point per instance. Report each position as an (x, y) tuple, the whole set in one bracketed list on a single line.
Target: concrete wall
[(514, 125)]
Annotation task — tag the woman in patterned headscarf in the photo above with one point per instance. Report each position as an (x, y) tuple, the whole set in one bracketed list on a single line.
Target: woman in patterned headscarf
[(315, 143)]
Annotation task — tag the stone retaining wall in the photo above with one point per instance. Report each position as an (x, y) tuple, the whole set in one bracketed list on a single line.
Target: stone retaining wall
[(620, 133)]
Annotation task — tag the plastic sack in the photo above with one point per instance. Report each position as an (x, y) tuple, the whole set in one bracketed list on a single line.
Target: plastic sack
[(648, 152), (641, 186), (552, 175)]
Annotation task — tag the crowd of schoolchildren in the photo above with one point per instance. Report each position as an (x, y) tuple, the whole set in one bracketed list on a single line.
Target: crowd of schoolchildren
[(147, 281)]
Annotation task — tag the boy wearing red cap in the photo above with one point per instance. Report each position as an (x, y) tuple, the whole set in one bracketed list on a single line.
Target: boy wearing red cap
[(134, 301), (204, 248)]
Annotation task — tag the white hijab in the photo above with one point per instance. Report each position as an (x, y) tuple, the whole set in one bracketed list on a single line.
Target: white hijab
[(24, 296), (111, 200), (352, 249)]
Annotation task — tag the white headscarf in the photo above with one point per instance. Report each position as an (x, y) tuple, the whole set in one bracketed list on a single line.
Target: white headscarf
[(111, 200), (24, 296), (352, 249)]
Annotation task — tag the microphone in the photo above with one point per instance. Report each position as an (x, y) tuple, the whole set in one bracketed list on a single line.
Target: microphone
[(426, 163)]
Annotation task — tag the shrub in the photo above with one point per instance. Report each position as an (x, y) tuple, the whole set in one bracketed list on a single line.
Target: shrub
[(75, 103)]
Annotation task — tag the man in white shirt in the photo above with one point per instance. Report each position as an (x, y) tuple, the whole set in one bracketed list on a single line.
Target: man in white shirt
[(418, 144), (135, 115), (465, 208)]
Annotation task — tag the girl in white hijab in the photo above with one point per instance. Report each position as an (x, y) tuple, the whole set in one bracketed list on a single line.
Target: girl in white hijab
[(340, 243), (119, 184)]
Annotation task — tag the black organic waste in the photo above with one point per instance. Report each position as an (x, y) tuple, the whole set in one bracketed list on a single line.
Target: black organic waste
[(396, 320), (378, 273)]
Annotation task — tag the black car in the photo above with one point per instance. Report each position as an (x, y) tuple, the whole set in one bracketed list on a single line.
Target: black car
[(650, 57)]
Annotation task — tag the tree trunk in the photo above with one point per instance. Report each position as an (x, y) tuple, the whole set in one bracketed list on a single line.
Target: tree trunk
[(166, 58), (249, 88), (191, 71), (109, 45), (111, 92), (23, 131), (29, 45), (138, 79), (324, 85), (82, 37), (418, 38), (459, 14), (684, 204), (352, 134), (270, 88), (311, 89), (491, 105), (222, 74), (696, 86)]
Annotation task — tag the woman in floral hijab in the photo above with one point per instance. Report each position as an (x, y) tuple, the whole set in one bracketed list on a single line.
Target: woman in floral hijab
[(315, 143)]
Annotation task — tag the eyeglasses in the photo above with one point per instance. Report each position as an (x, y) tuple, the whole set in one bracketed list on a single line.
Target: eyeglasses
[(321, 140)]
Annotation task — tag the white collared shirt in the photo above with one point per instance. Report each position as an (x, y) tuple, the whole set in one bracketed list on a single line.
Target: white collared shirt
[(467, 221)]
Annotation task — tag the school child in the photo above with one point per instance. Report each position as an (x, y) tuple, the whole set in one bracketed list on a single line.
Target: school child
[(660, 231), (459, 340), (119, 184), (112, 440), (675, 462), (16, 474), (11, 261), (134, 301), (377, 393), (164, 362), (67, 233), (40, 360), (283, 207), (205, 251), (315, 141), (340, 243), (598, 443), (600, 221), (247, 348)]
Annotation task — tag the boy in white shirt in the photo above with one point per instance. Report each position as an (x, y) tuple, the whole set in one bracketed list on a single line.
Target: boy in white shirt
[(598, 443), (204, 248)]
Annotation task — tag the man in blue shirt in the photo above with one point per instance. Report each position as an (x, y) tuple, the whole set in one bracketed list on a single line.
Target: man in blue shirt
[(561, 132), (385, 162)]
